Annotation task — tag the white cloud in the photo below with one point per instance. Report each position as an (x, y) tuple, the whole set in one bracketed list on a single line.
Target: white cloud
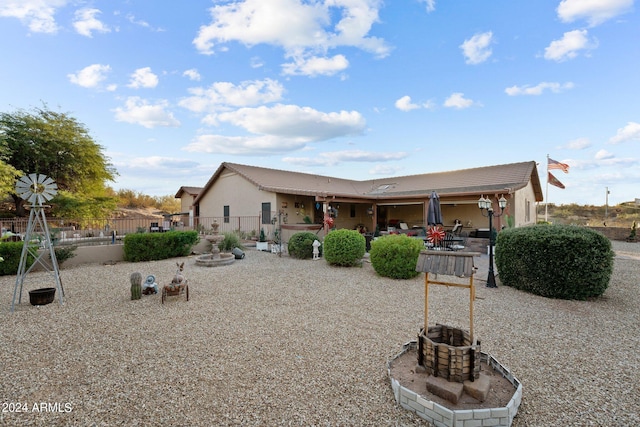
[(279, 129), (294, 122), (145, 164), (538, 89), (193, 74), (85, 22), (302, 29), (405, 104), (256, 62), (431, 4), (90, 76), (578, 144), (131, 18), (603, 159), (143, 77), (222, 95), (631, 132), (457, 100), (38, 15), (315, 66), (140, 111), (568, 47), (333, 158), (476, 49), (243, 145), (603, 155), (594, 11)]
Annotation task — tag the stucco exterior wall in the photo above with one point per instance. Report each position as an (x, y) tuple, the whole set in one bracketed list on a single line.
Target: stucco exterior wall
[(524, 206), (242, 197), (186, 200)]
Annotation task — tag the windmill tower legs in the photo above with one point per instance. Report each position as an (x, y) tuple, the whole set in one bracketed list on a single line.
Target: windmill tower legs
[(37, 220)]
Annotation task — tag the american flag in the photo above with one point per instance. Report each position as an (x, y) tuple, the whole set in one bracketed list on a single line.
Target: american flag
[(554, 164)]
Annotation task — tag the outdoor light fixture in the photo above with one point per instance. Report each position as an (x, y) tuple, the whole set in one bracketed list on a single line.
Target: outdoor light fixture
[(370, 211), (486, 205)]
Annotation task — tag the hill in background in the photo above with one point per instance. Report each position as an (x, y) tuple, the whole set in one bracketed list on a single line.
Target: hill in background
[(622, 215)]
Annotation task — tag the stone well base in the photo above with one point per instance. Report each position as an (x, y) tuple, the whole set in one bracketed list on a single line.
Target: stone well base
[(442, 416)]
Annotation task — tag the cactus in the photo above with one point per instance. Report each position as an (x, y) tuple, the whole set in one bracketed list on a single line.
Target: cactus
[(136, 285)]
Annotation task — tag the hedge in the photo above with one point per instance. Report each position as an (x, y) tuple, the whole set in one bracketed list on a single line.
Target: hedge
[(555, 261), (156, 246)]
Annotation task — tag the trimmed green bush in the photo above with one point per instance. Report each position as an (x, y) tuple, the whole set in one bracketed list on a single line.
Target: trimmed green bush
[(156, 246), (344, 247), (64, 253), (555, 261), (230, 241), (11, 252), (301, 245), (395, 256)]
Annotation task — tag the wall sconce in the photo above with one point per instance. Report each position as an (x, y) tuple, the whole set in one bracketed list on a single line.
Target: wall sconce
[(370, 211)]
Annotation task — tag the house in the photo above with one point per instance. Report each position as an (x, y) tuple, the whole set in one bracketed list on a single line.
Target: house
[(295, 198), (187, 195)]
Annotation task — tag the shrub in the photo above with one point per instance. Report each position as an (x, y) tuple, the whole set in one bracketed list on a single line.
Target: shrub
[(344, 247), (156, 246), (301, 245), (11, 252), (395, 256), (555, 261), (64, 253), (230, 241)]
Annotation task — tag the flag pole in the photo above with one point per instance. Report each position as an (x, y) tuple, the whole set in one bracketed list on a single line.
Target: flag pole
[(546, 195)]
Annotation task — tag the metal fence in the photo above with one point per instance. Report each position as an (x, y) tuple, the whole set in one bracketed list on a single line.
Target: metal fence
[(84, 232)]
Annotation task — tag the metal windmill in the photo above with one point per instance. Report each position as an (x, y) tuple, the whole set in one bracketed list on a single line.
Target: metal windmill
[(37, 189)]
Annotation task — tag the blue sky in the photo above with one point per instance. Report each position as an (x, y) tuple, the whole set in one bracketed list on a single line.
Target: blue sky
[(357, 89)]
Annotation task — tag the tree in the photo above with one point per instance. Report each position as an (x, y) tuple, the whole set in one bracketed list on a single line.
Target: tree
[(57, 145)]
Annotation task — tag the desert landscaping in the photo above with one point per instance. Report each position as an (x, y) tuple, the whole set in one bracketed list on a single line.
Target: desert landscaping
[(273, 340)]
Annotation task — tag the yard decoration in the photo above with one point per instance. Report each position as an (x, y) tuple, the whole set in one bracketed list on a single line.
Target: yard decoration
[(454, 371), (215, 258), (178, 285), (150, 286), (136, 285), (435, 235), (36, 189)]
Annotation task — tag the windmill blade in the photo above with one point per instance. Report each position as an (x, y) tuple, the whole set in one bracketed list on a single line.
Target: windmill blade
[(48, 195), (25, 194), (22, 185), (24, 180), (36, 188), (21, 188)]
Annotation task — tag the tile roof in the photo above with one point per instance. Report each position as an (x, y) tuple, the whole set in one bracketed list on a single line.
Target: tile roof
[(194, 191), (507, 177)]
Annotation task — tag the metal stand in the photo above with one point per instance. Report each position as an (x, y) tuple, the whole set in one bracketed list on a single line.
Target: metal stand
[(37, 221)]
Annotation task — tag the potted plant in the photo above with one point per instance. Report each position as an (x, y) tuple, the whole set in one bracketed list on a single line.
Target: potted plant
[(262, 244)]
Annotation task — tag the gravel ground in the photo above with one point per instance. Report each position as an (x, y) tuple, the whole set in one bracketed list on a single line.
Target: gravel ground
[(276, 341)]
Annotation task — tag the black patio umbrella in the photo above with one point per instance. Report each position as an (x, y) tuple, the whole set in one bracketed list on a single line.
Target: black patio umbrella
[(434, 213)]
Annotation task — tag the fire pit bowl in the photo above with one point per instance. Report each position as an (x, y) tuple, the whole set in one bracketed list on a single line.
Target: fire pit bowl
[(42, 296)]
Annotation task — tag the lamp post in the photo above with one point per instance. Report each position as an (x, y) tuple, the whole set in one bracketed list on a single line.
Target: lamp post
[(486, 205)]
